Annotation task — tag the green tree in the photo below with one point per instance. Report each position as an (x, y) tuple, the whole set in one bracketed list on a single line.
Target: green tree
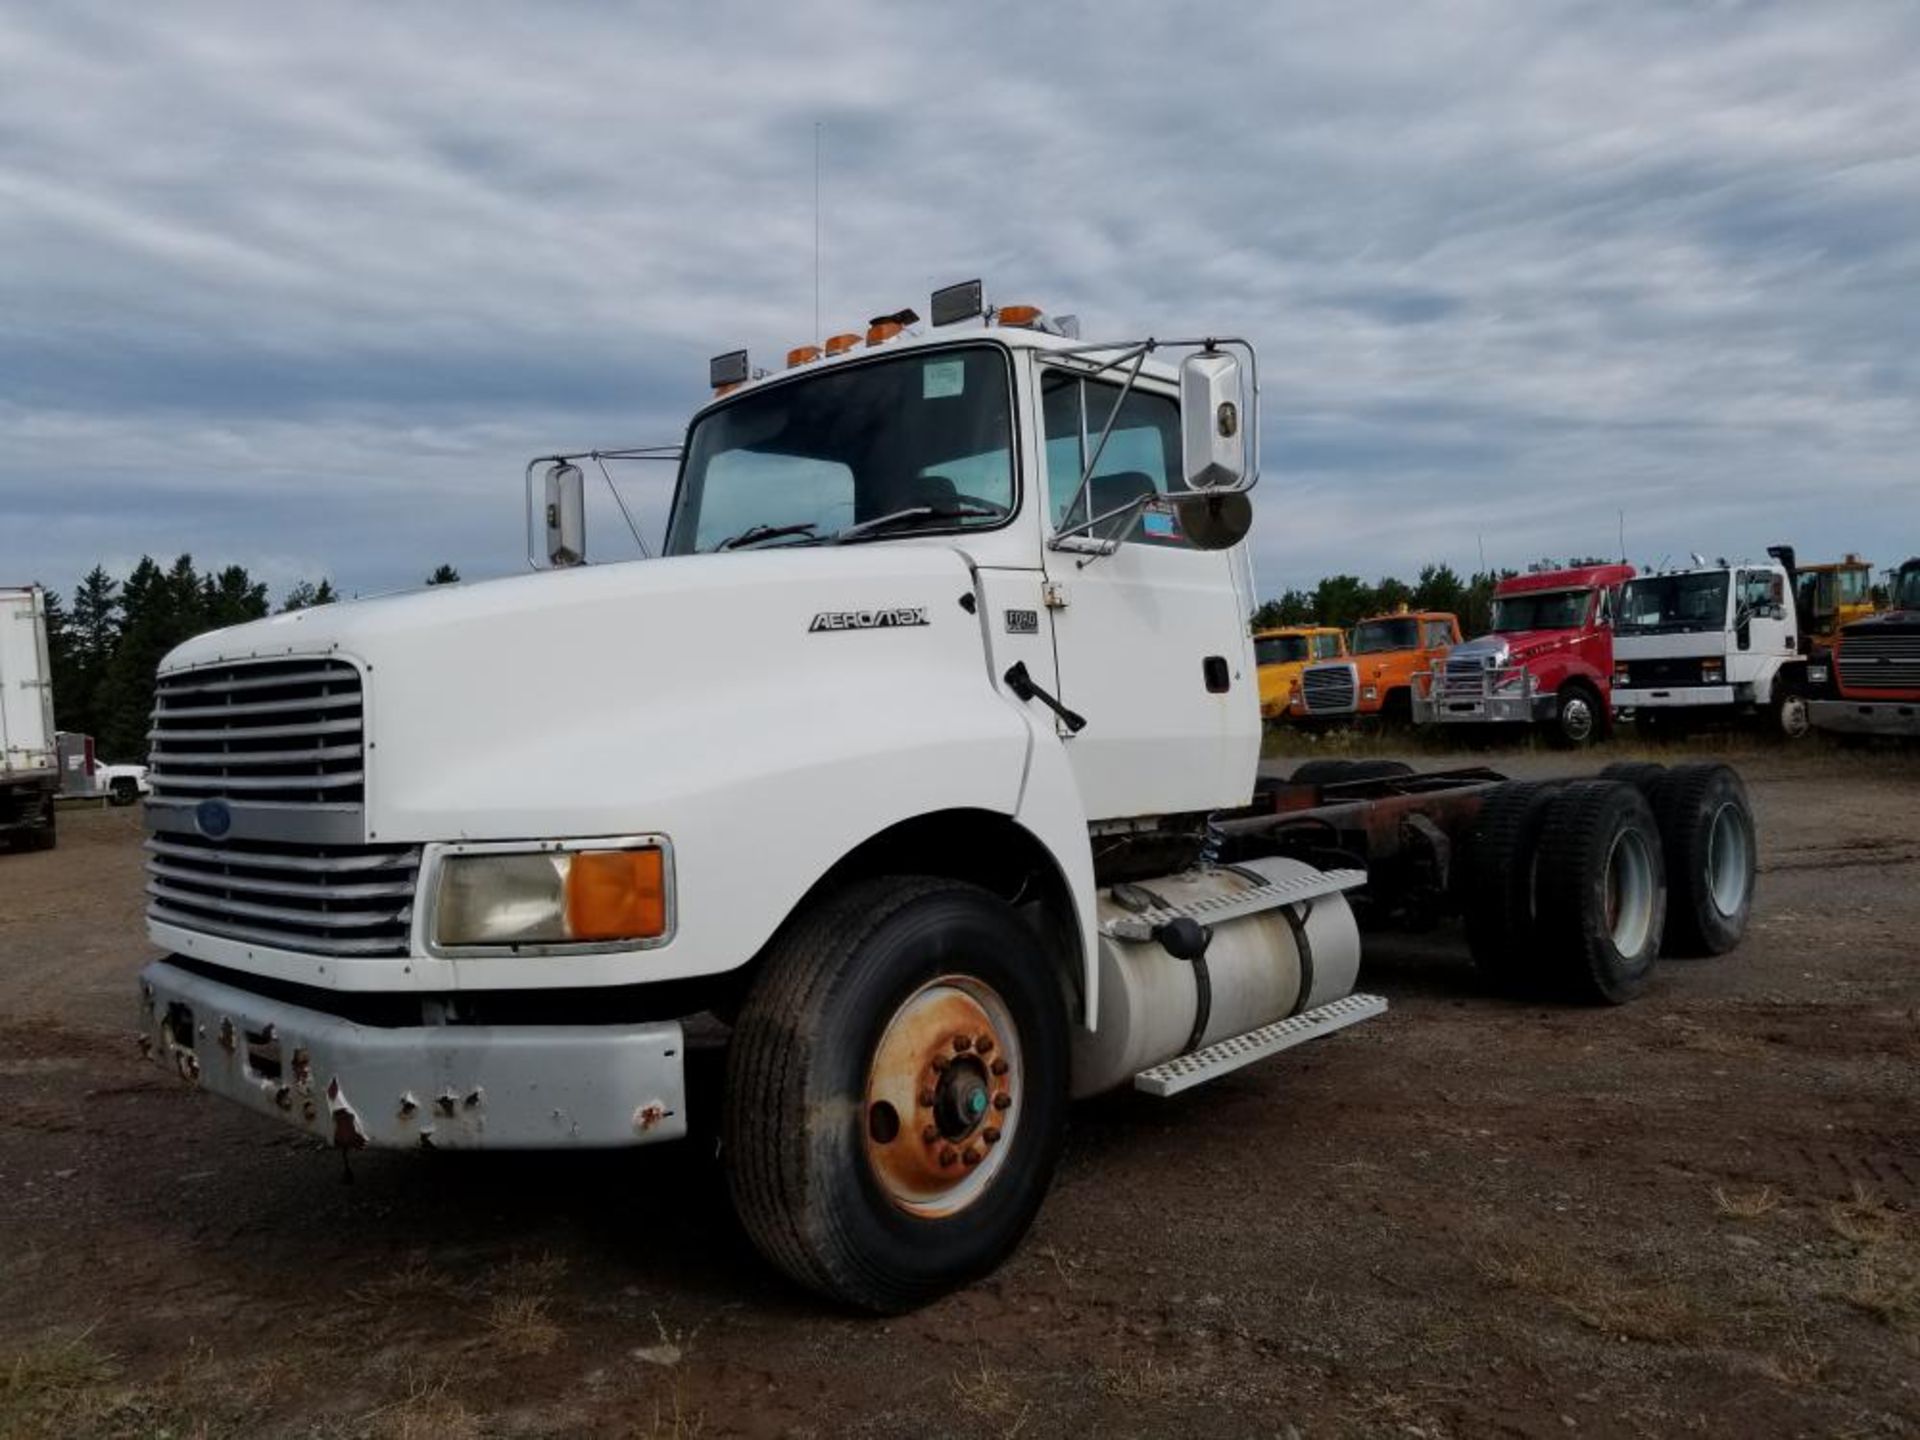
[(305, 595), (444, 575), (232, 597), (1342, 600), (159, 609), (1438, 588), (1391, 594), (60, 661)]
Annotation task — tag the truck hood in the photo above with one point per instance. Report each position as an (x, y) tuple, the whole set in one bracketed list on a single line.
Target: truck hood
[(1887, 622), (566, 702), (1514, 647)]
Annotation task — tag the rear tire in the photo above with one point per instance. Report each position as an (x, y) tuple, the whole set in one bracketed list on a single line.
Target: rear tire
[(1339, 772), (1497, 882), (46, 836), (1643, 775), (1602, 889), (122, 792), (1707, 830), (836, 1183)]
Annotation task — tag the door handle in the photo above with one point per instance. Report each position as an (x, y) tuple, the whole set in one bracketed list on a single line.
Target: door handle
[(1214, 671)]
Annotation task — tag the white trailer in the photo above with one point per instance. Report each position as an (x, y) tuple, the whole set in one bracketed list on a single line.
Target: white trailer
[(29, 759), (924, 760)]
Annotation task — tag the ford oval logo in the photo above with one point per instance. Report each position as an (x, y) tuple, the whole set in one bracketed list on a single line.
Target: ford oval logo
[(213, 817)]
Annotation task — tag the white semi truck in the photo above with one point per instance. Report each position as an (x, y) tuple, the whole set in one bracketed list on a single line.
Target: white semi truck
[(29, 759), (924, 759), (1715, 640)]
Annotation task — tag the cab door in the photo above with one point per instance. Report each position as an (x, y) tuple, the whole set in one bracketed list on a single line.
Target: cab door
[(1151, 640)]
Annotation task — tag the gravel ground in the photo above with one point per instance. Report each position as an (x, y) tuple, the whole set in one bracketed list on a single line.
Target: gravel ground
[(1698, 1214)]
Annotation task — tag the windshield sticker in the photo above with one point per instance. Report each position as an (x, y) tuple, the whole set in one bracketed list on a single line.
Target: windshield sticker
[(1160, 524), (943, 379), (889, 619)]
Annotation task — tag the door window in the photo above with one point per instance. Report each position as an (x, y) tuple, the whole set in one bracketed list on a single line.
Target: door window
[(1326, 647), (1439, 634), (1141, 456)]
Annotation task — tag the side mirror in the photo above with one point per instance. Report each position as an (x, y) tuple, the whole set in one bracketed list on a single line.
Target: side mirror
[(1213, 519), (1213, 432), (566, 515)]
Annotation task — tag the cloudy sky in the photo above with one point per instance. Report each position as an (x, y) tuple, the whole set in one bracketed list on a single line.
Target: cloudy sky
[(303, 287)]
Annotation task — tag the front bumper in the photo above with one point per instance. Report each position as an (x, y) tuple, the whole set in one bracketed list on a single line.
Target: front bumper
[(1477, 710), (1865, 717), (1673, 697), (465, 1087)]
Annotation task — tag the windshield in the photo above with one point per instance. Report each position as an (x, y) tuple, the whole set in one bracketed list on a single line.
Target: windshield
[(1370, 637), (1675, 602), (798, 463), (1542, 610), (1906, 590), (1279, 649)]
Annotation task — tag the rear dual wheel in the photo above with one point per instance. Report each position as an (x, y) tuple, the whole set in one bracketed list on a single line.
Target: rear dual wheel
[(896, 1092), (1707, 830)]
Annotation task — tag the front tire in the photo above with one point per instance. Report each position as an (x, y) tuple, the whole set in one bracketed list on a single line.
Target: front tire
[(1578, 717), (876, 1151), (122, 792), (1791, 720)]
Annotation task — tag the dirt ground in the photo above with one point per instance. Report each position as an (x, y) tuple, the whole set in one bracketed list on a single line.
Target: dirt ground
[(1696, 1215)]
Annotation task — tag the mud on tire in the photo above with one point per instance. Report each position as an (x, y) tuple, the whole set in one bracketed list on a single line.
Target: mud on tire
[(810, 1164), (1602, 891), (1706, 828)]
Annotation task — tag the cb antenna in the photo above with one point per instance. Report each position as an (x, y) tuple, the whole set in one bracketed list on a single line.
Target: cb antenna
[(816, 231)]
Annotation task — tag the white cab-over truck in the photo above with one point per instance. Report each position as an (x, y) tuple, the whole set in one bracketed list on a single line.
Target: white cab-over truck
[(923, 759), (29, 762), (1715, 640)]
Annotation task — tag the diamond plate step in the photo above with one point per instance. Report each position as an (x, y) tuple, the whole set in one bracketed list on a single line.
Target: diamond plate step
[(1183, 1072), (1271, 896)]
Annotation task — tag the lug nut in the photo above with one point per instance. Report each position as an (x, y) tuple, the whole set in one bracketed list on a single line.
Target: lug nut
[(984, 1045), (962, 1044), (283, 1097), (971, 1155), (926, 1097), (947, 1157), (930, 1134), (1002, 1100), (999, 1067), (940, 1062), (991, 1134)]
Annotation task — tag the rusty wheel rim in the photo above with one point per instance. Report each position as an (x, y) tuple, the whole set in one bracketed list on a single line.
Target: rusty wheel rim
[(942, 1097)]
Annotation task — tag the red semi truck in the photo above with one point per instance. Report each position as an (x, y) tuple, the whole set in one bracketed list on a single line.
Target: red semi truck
[(1548, 660)]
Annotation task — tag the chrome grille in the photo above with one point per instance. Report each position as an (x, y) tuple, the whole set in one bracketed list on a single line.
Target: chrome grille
[(1463, 678), (326, 900), (1880, 662), (281, 732), (1327, 688)]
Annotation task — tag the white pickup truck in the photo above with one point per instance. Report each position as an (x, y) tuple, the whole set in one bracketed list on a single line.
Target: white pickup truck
[(923, 759)]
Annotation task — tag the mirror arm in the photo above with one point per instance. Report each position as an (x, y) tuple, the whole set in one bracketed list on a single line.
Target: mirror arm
[(625, 513)]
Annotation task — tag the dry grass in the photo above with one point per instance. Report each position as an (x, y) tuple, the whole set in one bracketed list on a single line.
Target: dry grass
[(69, 1386), (1800, 1364), (425, 1412), (984, 1394), (519, 1326), (417, 1280), (1745, 1205), (1659, 1314), (1887, 1287), (1143, 1379), (60, 1387), (1863, 1219), (675, 1419)]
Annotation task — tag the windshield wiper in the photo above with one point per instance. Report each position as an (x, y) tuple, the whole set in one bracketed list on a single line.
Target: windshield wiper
[(754, 534), (912, 513)]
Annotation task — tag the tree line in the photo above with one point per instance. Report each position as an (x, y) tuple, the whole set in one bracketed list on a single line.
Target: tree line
[(105, 645), (1345, 600)]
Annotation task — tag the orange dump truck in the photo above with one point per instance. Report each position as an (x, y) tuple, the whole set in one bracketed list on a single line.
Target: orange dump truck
[(1384, 653), (1281, 655)]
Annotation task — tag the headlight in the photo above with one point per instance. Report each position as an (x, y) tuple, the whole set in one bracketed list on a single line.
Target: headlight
[(552, 897), (1369, 693), (1713, 671), (1621, 677), (1510, 681), (1817, 674)]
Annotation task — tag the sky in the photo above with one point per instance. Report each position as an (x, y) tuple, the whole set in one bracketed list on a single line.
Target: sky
[(304, 287)]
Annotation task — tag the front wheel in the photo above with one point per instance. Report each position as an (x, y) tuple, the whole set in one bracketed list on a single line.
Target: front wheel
[(122, 792), (1790, 716), (896, 1092), (1577, 718)]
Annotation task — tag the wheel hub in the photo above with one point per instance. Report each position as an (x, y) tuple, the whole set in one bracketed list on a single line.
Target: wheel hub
[(940, 1098)]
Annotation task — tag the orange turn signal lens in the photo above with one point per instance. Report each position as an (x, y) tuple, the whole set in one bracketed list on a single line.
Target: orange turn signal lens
[(802, 354), (840, 344), (884, 331), (617, 895), (1018, 315)]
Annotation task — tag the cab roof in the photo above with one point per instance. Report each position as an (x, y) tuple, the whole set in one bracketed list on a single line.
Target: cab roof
[(1575, 577), (1282, 630)]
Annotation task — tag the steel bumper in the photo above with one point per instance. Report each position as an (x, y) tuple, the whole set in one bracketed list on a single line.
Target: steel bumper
[(465, 1087), (1476, 709), (1865, 717)]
